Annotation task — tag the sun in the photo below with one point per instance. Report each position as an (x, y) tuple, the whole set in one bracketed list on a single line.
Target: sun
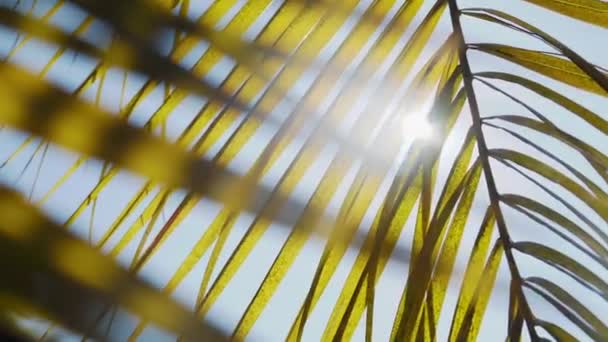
[(416, 126)]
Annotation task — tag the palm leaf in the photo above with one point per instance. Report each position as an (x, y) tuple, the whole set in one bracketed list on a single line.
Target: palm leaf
[(40, 252), (295, 142)]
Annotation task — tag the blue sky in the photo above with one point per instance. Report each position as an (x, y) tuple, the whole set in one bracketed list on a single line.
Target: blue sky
[(274, 323)]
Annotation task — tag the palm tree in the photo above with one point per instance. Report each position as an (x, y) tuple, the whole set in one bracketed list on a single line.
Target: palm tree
[(427, 141)]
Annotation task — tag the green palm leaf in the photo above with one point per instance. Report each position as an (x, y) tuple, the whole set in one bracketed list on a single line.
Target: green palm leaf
[(268, 141)]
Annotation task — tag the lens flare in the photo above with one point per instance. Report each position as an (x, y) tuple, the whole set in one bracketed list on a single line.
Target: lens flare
[(416, 126)]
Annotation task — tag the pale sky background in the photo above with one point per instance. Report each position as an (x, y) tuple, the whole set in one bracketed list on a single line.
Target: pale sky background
[(276, 320)]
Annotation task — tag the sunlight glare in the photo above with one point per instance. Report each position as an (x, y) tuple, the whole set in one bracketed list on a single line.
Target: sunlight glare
[(416, 126)]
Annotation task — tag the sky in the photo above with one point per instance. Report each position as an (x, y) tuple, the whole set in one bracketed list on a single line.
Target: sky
[(275, 321)]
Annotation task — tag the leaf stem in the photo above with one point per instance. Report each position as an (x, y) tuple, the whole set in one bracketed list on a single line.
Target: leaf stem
[(485, 162)]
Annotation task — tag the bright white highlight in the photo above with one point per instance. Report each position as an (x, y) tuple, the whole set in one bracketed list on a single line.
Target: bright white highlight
[(416, 126)]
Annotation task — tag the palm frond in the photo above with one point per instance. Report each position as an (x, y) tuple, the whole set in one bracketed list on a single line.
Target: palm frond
[(295, 152)]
